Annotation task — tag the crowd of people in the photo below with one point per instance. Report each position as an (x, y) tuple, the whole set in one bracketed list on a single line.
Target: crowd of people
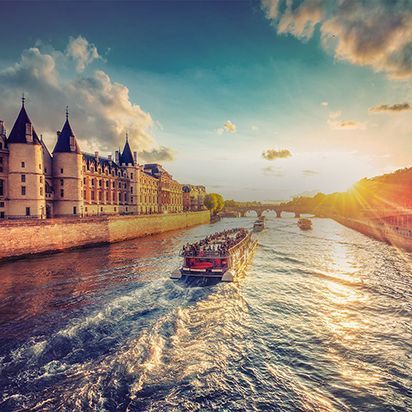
[(217, 244)]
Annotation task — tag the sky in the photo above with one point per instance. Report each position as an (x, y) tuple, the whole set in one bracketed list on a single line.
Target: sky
[(257, 100)]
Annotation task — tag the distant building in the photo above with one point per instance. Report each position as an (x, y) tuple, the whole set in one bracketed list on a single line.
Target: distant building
[(169, 195), (193, 197), (37, 184)]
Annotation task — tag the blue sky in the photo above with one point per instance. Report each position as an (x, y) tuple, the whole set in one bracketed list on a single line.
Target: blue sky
[(190, 67)]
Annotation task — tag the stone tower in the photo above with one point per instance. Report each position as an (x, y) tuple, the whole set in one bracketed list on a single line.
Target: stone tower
[(26, 180), (67, 173), (128, 163)]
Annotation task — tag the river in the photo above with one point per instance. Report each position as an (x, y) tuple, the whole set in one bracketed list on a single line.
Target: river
[(320, 321)]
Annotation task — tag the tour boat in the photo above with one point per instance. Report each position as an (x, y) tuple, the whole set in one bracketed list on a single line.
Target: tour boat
[(220, 256), (305, 224), (259, 225)]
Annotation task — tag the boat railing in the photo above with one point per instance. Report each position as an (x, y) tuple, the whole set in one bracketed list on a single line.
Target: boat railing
[(215, 254)]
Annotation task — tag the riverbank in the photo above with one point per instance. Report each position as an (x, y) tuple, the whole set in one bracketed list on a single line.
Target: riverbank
[(396, 236), (22, 238)]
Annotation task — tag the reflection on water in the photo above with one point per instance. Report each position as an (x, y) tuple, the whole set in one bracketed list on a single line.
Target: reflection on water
[(320, 321)]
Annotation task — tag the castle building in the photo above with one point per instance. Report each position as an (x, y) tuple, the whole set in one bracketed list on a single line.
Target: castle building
[(193, 197), (169, 191), (35, 183)]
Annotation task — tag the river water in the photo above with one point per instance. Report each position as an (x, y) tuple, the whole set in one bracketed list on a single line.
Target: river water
[(320, 321)]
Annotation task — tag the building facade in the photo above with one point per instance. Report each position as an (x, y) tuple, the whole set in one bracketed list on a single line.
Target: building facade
[(193, 197), (35, 183)]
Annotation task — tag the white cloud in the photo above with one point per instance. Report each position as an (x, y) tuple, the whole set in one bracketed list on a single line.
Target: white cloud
[(324, 104), (338, 124), (101, 111), (82, 52), (272, 154), (230, 127), (376, 33)]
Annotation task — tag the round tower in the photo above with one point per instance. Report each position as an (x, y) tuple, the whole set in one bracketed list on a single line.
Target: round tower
[(67, 173), (26, 180), (128, 162)]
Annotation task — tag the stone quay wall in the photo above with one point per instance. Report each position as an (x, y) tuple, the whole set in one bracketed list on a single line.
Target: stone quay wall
[(385, 233), (29, 237)]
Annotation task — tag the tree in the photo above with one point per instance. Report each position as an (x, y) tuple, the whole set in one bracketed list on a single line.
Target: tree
[(214, 202)]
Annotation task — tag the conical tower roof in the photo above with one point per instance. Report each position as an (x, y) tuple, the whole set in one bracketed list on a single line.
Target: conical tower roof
[(127, 157), (66, 141), (18, 132)]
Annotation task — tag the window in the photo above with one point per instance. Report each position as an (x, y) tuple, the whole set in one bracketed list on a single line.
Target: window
[(27, 211), (61, 182), (23, 178), (100, 195), (74, 210), (45, 170), (2, 189), (84, 194), (114, 184), (61, 170), (131, 190), (107, 183), (1, 215), (107, 196), (23, 164), (41, 191), (1, 204), (92, 182), (40, 166), (100, 183), (41, 179), (131, 175), (92, 195), (61, 192), (84, 180), (23, 190)]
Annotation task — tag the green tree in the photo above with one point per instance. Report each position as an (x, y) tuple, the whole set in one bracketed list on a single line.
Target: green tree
[(214, 202)]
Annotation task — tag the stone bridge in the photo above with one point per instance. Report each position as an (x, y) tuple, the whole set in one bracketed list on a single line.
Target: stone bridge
[(241, 211)]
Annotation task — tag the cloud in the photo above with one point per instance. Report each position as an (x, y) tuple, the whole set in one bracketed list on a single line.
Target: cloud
[(271, 171), (338, 124), (82, 52), (324, 104), (101, 111), (272, 154), (394, 108), (163, 154), (376, 34), (228, 127), (254, 128), (309, 172)]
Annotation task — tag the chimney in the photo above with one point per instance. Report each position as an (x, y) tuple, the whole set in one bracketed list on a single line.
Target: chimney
[(116, 156), (109, 157), (135, 157), (96, 155)]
